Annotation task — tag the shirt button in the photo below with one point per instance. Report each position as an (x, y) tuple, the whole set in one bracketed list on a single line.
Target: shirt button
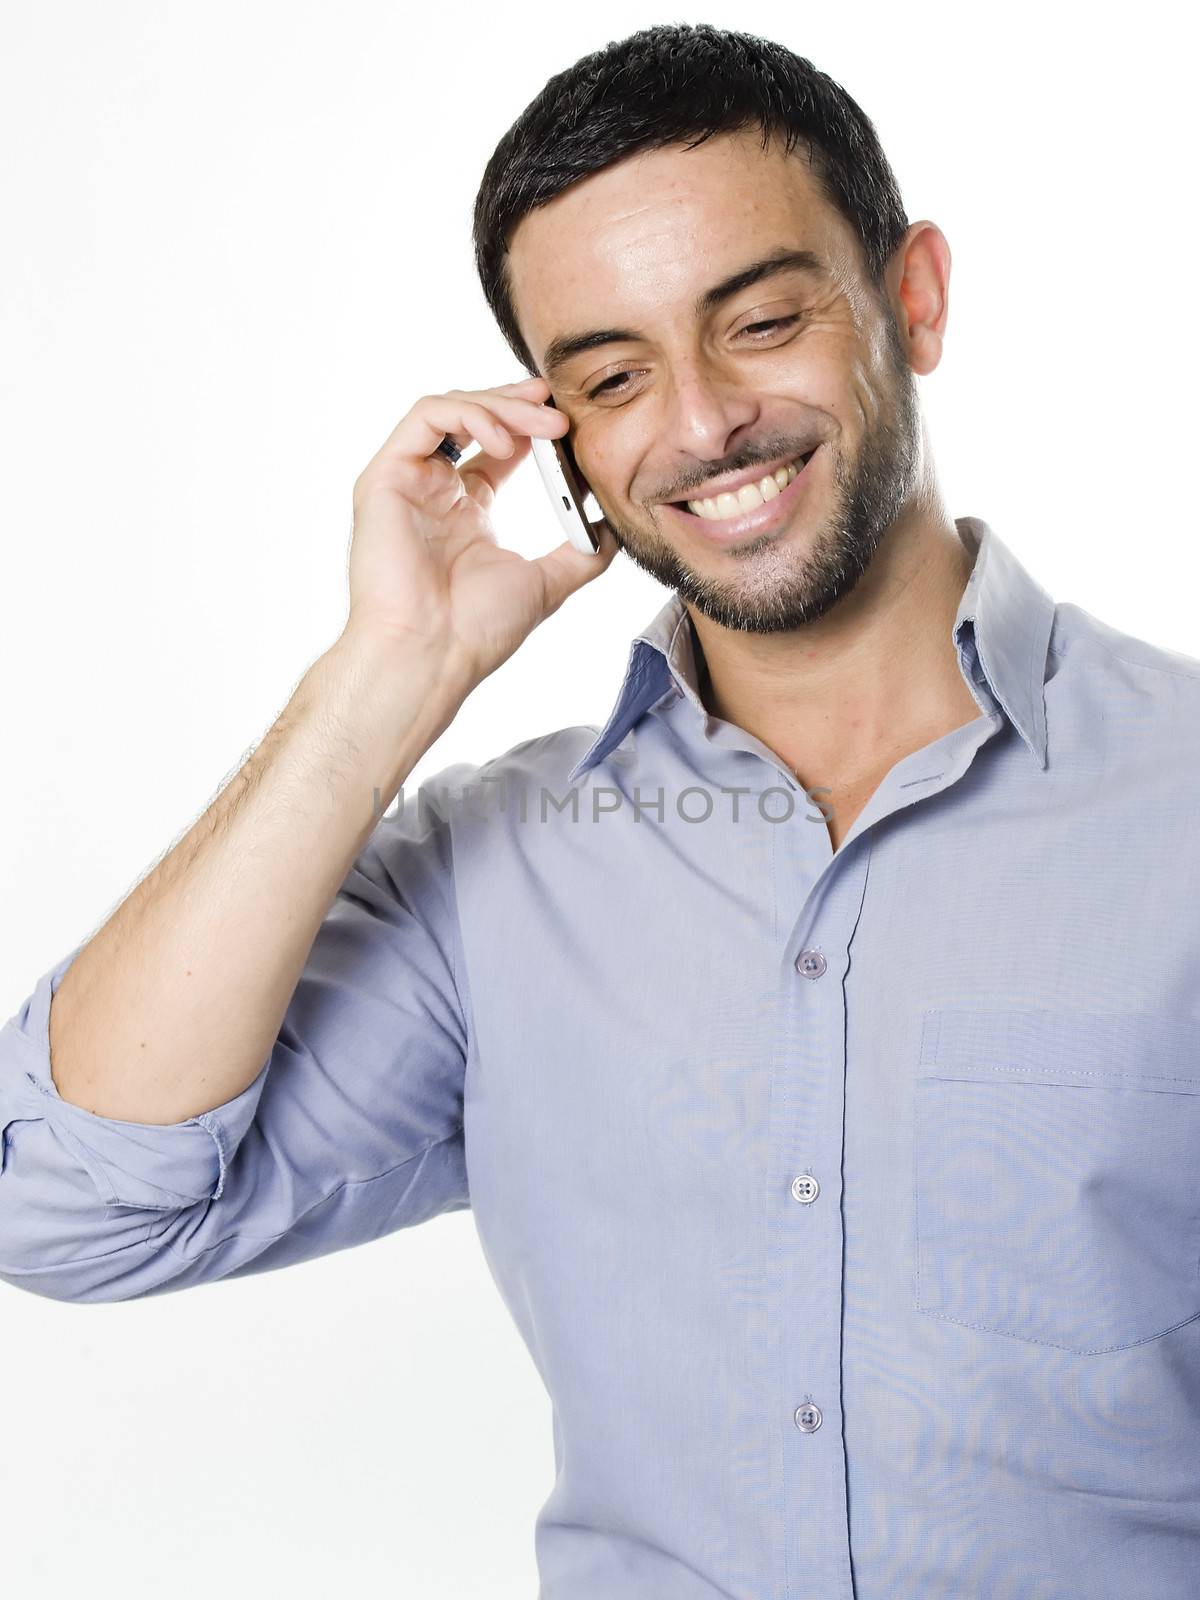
[(808, 1418), (805, 1188), (810, 963)]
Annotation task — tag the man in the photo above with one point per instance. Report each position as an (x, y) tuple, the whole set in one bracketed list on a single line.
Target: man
[(841, 1179)]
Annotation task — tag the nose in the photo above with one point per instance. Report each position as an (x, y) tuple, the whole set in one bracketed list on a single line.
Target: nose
[(706, 412)]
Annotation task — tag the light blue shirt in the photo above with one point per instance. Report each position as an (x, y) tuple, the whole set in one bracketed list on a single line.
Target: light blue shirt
[(848, 1201)]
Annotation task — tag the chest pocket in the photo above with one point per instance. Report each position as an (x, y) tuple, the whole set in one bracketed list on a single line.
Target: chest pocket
[(1057, 1174)]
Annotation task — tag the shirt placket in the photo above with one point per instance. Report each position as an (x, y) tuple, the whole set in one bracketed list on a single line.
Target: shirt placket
[(805, 1251), (804, 1217)]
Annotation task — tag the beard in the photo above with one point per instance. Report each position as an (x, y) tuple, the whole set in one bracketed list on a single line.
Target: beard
[(777, 587)]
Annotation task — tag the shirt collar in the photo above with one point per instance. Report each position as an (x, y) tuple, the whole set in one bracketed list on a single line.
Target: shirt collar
[(1002, 626)]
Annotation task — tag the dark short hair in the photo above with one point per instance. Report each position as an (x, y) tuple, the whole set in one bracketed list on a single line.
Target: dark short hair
[(680, 83)]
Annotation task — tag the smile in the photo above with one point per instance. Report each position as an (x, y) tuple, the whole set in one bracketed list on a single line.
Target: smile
[(750, 510)]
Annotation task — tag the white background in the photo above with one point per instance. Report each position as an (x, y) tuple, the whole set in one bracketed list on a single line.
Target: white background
[(236, 249)]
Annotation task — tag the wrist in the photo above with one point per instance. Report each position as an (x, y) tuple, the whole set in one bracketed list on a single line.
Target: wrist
[(391, 697), (392, 666)]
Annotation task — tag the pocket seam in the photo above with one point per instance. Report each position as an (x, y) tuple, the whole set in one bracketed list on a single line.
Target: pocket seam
[(1100, 1024)]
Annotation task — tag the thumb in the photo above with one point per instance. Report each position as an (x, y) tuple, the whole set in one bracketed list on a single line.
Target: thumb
[(566, 569)]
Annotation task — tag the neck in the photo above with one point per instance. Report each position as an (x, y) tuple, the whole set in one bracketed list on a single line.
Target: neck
[(875, 677)]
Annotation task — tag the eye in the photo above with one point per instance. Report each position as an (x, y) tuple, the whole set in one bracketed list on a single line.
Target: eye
[(603, 388), (776, 322)]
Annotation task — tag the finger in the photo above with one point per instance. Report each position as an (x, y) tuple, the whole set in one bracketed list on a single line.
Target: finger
[(483, 473), (508, 415), (491, 425), (521, 383)]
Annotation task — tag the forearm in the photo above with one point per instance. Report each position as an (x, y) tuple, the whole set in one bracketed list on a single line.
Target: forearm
[(173, 1006)]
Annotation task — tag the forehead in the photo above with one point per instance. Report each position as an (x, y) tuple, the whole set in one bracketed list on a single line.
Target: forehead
[(641, 237)]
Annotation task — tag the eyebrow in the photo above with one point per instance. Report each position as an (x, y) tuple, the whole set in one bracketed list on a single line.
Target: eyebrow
[(561, 350)]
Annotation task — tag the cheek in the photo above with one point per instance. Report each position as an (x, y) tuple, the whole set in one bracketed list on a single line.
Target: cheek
[(603, 458), (858, 391), (828, 360)]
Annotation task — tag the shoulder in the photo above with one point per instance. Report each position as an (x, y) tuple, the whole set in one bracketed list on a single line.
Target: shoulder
[(1127, 699), (1079, 636), (470, 792)]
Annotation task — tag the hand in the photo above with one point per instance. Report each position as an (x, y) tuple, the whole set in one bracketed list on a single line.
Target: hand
[(425, 567)]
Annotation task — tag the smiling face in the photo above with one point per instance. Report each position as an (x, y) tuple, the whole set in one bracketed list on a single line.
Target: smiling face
[(728, 387)]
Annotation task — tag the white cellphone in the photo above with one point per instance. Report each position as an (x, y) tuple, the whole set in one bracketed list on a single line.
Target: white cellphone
[(568, 490)]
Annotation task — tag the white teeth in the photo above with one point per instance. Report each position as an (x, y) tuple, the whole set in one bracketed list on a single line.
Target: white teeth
[(750, 495)]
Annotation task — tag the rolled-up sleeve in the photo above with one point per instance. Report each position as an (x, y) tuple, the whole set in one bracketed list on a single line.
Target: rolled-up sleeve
[(353, 1127)]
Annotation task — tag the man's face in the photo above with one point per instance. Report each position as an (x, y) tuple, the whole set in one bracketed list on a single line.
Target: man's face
[(688, 398)]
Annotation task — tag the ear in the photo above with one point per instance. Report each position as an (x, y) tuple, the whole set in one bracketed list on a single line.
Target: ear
[(919, 278)]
